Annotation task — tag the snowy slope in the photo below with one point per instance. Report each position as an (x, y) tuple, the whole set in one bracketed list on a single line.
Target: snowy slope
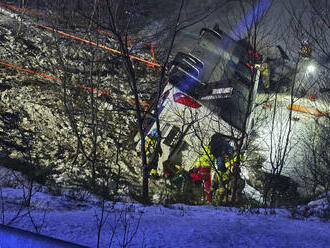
[(174, 226)]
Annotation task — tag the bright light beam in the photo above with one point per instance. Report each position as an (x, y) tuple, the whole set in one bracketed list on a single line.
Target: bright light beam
[(311, 69), (251, 17)]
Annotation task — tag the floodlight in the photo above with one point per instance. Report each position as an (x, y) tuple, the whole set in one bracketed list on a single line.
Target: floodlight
[(311, 68)]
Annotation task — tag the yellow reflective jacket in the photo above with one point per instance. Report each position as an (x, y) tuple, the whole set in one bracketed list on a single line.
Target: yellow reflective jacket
[(264, 69), (306, 51), (150, 145), (224, 176), (207, 159), (233, 162)]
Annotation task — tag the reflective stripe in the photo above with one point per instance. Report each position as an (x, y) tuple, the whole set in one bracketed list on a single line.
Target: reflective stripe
[(204, 161), (223, 175), (230, 164), (150, 145)]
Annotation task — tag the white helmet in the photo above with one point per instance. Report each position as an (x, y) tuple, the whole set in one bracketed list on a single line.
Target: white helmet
[(304, 42)]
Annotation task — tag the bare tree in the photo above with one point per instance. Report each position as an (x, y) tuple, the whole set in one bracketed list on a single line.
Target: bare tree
[(249, 25), (311, 23), (23, 142), (204, 122)]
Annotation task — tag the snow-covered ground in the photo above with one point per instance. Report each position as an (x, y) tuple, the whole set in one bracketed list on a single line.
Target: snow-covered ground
[(159, 226), (172, 226)]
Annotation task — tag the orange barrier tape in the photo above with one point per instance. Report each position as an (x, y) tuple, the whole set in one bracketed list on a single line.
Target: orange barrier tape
[(95, 44), (131, 44), (149, 63), (29, 71), (307, 110), (76, 85), (109, 94), (21, 9), (92, 89)]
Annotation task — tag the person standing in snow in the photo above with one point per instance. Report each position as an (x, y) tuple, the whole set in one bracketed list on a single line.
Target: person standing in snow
[(202, 171), (223, 151), (223, 179), (265, 73), (151, 148), (233, 171), (174, 172), (220, 179)]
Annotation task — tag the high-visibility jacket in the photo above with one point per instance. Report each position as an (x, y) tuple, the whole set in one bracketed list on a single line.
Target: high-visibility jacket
[(306, 51), (150, 145), (153, 172), (265, 73), (232, 163), (171, 169), (224, 176), (204, 165), (206, 160), (179, 175), (264, 69), (150, 148)]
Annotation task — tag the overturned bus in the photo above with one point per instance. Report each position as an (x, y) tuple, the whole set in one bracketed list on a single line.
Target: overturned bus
[(209, 95)]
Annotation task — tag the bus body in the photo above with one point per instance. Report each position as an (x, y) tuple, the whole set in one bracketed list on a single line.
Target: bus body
[(210, 91)]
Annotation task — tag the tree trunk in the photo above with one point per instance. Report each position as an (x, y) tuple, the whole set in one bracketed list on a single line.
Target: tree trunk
[(145, 184)]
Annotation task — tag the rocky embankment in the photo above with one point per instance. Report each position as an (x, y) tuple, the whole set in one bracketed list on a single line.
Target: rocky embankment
[(52, 123)]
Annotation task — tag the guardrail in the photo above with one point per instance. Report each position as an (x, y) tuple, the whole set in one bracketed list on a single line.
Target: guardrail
[(11, 237)]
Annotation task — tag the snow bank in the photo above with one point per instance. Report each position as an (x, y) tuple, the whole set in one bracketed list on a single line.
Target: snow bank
[(177, 225)]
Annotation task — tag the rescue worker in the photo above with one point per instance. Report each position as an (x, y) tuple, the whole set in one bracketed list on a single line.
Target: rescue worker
[(265, 73), (306, 49), (222, 150), (180, 184), (180, 178), (220, 179), (174, 172), (202, 171), (223, 180), (233, 167), (168, 169), (150, 148)]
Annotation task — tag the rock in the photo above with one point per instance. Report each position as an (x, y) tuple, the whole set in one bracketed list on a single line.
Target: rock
[(44, 129)]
